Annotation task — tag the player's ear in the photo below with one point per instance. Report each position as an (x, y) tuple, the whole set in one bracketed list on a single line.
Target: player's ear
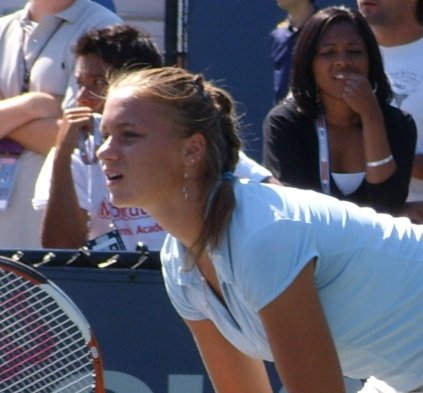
[(195, 148)]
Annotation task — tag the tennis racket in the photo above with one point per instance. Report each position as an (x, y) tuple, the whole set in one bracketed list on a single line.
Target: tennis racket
[(46, 344)]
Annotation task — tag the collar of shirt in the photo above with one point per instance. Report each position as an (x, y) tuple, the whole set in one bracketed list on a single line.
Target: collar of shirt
[(220, 257), (70, 14)]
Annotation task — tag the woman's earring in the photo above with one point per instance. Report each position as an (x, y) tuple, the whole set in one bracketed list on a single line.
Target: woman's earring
[(317, 99), (375, 88), (185, 187)]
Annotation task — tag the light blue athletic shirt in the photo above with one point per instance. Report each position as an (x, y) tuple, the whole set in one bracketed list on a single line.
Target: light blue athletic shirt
[(369, 275)]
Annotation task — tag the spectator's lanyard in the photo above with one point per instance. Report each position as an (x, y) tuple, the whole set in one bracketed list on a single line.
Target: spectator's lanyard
[(26, 67), (322, 137)]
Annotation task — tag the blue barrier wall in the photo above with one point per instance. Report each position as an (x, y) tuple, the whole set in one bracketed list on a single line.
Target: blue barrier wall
[(138, 330), (229, 42), (146, 347)]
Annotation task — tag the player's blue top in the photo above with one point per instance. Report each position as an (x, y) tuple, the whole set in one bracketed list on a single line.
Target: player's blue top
[(369, 276)]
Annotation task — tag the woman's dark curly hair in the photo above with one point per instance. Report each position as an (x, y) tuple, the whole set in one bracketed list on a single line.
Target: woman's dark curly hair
[(303, 83)]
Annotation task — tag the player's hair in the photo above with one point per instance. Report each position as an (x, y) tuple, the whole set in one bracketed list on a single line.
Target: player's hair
[(198, 106)]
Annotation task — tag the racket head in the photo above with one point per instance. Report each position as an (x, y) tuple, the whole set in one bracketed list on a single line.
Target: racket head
[(46, 343)]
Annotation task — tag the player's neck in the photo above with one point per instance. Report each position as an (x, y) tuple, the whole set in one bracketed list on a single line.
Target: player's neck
[(404, 34), (298, 15), (40, 8)]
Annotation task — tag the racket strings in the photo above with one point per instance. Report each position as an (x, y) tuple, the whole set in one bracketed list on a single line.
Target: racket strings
[(73, 354), (41, 349), (26, 333)]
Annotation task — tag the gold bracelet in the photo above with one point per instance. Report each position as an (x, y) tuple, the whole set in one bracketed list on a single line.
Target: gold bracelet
[(383, 161)]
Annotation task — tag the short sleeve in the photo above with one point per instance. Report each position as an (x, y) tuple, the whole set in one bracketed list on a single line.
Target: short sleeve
[(250, 169), (80, 173), (180, 302), (272, 258), (81, 180), (42, 185)]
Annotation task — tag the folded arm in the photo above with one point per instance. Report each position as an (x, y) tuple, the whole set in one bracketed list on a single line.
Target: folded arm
[(31, 120)]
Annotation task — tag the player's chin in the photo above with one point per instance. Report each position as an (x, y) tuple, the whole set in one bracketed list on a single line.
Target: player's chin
[(121, 200)]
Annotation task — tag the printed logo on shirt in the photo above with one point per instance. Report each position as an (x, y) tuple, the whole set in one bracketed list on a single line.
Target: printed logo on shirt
[(140, 230), (404, 83), (108, 211)]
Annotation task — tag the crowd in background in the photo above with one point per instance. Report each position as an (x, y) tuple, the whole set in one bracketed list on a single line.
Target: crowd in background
[(346, 120), (368, 128)]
